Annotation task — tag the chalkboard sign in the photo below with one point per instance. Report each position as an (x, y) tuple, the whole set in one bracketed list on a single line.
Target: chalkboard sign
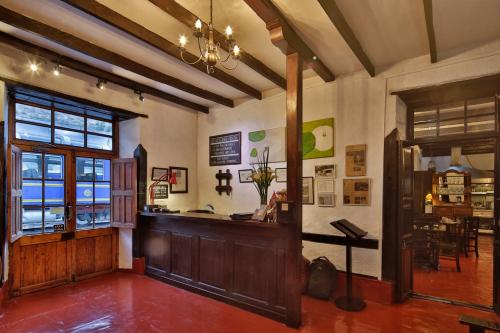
[(160, 191), (225, 149)]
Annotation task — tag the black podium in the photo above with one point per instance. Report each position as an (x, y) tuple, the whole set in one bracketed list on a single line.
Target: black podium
[(351, 232)]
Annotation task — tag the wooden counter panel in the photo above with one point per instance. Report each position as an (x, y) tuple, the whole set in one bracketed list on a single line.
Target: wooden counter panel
[(241, 264)]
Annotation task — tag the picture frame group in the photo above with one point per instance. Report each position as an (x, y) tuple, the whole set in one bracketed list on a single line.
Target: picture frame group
[(176, 177)]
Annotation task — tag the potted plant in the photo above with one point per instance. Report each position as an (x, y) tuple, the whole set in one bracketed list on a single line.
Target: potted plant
[(262, 175)]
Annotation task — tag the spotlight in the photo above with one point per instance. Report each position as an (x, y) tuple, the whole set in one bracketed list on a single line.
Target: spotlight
[(100, 83), (141, 97), (34, 67), (57, 70)]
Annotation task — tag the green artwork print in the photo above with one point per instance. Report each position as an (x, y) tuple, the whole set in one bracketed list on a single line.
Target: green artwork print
[(273, 138), (317, 139)]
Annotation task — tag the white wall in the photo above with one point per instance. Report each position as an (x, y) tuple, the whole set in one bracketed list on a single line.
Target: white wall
[(168, 135)]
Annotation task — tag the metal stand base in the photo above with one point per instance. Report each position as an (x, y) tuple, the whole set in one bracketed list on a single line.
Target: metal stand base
[(350, 303)]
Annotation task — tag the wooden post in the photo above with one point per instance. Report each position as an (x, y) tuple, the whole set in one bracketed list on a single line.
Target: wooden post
[(294, 186)]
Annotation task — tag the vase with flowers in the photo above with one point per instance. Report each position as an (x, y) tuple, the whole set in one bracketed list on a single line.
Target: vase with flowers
[(262, 175)]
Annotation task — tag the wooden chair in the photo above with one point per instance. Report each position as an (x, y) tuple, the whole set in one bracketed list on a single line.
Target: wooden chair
[(450, 243), (424, 243), (477, 325), (471, 234)]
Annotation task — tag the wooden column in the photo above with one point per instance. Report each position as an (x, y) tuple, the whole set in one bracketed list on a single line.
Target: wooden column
[(294, 185)]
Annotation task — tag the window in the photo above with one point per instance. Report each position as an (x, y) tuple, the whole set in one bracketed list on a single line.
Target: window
[(93, 185), (61, 128), (459, 118), (43, 188)]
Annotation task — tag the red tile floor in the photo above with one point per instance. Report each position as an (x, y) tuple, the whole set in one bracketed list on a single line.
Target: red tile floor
[(125, 302), (474, 284)]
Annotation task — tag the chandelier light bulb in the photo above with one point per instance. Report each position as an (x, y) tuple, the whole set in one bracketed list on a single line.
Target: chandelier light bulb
[(236, 50), (182, 41), (198, 24), (229, 31), (57, 70), (34, 67)]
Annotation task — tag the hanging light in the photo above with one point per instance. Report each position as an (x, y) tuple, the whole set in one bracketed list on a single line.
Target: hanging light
[(57, 70), (209, 53), (100, 83)]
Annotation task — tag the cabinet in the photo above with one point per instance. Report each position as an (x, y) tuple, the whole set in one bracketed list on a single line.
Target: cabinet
[(452, 193), (483, 197)]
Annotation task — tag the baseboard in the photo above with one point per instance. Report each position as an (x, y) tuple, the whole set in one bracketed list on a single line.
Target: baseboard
[(367, 288)]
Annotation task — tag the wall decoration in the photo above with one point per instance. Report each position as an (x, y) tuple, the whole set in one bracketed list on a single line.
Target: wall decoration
[(280, 175), (318, 139), (274, 138), (326, 171), (157, 173), (178, 180), (245, 175), (326, 192), (224, 176), (357, 192), (160, 191), (225, 149), (308, 190), (355, 160)]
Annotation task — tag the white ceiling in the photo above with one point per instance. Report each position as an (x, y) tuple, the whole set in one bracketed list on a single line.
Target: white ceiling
[(388, 30)]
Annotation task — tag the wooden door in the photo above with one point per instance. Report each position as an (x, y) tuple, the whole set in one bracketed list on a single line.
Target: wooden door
[(398, 215)]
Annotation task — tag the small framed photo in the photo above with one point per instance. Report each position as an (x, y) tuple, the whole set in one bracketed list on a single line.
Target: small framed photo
[(308, 190), (160, 191), (245, 175), (325, 171), (157, 173), (326, 192), (326, 199), (357, 192), (178, 180), (280, 175)]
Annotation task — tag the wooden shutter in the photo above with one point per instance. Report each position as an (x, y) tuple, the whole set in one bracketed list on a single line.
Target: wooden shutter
[(124, 193), (15, 195)]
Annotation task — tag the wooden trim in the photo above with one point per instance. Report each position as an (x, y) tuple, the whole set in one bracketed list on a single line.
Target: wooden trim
[(286, 38), (113, 18), (92, 275), (79, 234), (332, 10), (67, 40), (39, 239), (37, 287), (429, 23), (188, 19), (363, 243)]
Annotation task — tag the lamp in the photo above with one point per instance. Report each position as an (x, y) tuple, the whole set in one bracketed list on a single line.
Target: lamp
[(100, 83)]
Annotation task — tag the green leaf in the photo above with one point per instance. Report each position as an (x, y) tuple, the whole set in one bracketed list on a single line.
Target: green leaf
[(253, 153)]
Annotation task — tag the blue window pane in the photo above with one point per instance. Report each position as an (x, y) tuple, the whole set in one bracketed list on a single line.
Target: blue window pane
[(54, 167), (32, 165), (102, 170), (99, 126), (54, 192), (84, 217), (84, 168), (53, 216), (33, 133), (33, 114), (102, 192), (68, 138), (69, 121), (99, 142), (102, 215), (32, 220), (32, 192), (84, 192)]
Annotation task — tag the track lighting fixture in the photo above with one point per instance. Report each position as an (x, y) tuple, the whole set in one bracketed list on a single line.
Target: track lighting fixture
[(141, 96), (100, 83), (57, 70)]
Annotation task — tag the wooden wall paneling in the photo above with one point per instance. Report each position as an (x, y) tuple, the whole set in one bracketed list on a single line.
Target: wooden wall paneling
[(103, 253), (228, 265), (280, 276), (15, 267), (182, 259), (157, 251), (114, 249), (211, 261), (85, 256)]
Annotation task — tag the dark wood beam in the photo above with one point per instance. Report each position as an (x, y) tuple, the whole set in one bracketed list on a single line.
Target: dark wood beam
[(113, 18), (286, 38), (96, 72), (187, 18), (65, 39), (430, 29), (332, 10)]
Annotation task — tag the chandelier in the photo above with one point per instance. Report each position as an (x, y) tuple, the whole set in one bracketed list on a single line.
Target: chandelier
[(209, 54)]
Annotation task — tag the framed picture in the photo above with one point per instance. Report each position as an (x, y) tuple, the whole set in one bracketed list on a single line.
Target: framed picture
[(160, 191), (181, 180), (157, 173), (357, 192), (326, 192), (325, 171), (280, 175), (355, 160), (326, 199), (245, 175), (308, 190)]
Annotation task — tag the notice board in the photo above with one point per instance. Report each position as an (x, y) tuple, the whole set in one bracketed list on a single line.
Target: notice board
[(225, 149)]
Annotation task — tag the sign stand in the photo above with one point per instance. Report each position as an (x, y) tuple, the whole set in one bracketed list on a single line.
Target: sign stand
[(352, 232)]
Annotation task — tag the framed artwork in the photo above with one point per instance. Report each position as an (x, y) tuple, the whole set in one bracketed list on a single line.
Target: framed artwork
[(357, 192), (325, 171), (181, 180), (225, 149), (274, 138), (326, 192), (355, 160), (318, 139), (157, 173), (308, 190), (326, 199), (280, 175), (245, 175), (160, 191)]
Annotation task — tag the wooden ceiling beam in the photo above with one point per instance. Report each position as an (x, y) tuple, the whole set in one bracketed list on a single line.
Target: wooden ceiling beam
[(96, 72), (67, 40), (188, 18), (286, 38), (105, 14), (429, 22), (332, 10)]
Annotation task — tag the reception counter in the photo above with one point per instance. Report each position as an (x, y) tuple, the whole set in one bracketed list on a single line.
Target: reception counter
[(243, 263)]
